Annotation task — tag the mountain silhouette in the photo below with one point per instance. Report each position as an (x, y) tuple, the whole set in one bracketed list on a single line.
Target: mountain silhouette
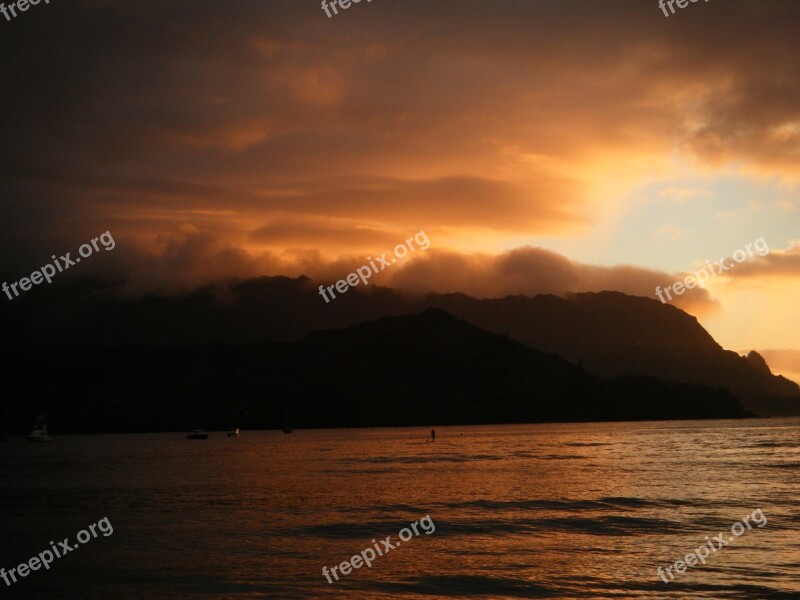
[(612, 334), (423, 369), (609, 334)]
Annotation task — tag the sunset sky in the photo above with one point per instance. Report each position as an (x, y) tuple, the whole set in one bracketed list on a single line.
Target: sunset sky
[(543, 146)]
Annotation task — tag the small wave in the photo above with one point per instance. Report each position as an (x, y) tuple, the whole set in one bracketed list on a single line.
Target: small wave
[(341, 531), (612, 525), (554, 505), (455, 458), (637, 502), (587, 444), (615, 525), (564, 457), (771, 445), (466, 585), (573, 505)]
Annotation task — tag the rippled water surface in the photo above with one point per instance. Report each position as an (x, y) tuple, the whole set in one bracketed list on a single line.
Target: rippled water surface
[(528, 511)]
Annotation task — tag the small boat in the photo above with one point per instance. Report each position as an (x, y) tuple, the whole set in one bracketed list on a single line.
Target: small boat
[(286, 427), (233, 432), (197, 434), (39, 432)]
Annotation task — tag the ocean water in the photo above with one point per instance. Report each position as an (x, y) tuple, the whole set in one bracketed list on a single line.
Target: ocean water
[(527, 511)]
